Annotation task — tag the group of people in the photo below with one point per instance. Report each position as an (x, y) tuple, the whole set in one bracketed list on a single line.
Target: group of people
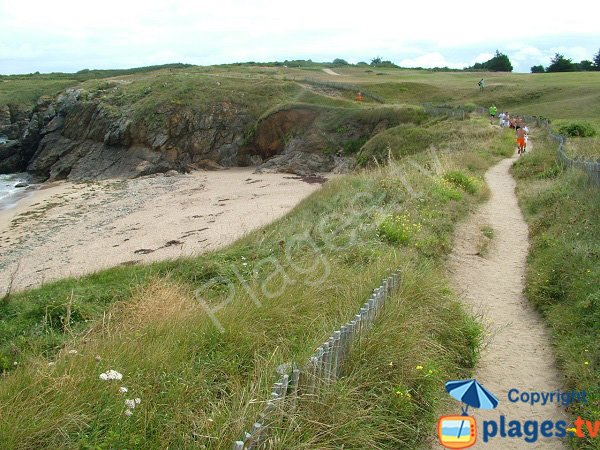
[(505, 120)]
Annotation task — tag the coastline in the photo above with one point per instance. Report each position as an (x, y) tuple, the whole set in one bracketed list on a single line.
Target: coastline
[(71, 229)]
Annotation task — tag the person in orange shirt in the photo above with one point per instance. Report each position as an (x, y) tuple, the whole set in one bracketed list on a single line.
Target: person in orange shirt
[(520, 139)]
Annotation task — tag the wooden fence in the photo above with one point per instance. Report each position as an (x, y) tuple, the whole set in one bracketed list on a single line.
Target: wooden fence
[(321, 369), (591, 168)]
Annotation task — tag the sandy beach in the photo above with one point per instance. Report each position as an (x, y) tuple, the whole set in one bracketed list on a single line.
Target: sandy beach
[(68, 229)]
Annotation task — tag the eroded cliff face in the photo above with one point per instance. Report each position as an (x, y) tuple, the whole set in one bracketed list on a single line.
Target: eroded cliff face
[(79, 136), (88, 139), (20, 133)]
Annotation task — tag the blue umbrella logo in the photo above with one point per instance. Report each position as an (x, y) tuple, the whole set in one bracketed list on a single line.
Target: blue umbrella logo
[(471, 393)]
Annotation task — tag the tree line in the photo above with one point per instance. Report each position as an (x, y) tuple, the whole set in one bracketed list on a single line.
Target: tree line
[(561, 64)]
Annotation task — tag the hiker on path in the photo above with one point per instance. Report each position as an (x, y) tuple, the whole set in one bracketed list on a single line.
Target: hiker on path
[(520, 140), (481, 84), (493, 111)]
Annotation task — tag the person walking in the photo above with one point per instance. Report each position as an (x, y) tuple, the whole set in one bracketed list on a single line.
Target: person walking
[(481, 84), (493, 111)]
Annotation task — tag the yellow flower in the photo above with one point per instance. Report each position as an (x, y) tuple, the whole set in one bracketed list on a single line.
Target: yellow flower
[(419, 367), (587, 363), (391, 364), (430, 371)]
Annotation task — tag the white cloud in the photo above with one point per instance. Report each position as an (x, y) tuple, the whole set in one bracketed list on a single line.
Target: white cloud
[(429, 60), (116, 33)]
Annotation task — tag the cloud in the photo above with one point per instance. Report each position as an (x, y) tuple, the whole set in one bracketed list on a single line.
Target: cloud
[(69, 35), (429, 60)]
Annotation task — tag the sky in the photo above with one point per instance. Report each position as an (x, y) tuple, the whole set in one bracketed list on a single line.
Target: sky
[(67, 35)]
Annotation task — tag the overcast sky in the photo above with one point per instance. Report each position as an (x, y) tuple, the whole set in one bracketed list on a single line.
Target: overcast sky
[(68, 35)]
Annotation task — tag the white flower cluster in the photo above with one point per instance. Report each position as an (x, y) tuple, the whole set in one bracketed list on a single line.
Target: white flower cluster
[(131, 403), (111, 375)]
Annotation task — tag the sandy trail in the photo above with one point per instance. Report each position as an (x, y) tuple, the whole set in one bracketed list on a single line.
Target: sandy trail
[(517, 353), (331, 72), (74, 229)]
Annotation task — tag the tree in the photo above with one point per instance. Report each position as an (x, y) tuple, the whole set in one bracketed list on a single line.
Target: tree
[(340, 62), (560, 64), (499, 63), (376, 61), (597, 61), (586, 65), (537, 69)]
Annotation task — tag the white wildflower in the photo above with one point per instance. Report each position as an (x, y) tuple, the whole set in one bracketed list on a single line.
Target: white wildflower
[(72, 352), (123, 389), (15, 363), (111, 375), (130, 403), (128, 412), (138, 401)]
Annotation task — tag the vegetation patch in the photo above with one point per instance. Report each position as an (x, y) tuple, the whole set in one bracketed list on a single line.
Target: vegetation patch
[(309, 270), (563, 213), (460, 179), (577, 129)]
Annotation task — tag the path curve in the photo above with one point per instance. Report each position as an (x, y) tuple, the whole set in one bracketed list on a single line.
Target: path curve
[(517, 352), (331, 72)]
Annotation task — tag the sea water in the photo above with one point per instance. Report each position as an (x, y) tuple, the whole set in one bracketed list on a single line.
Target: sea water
[(9, 194)]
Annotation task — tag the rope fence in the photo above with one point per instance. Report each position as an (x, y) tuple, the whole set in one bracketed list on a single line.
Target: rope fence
[(322, 368)]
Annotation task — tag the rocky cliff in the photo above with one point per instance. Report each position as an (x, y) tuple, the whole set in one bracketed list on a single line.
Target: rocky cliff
[(82, 135)]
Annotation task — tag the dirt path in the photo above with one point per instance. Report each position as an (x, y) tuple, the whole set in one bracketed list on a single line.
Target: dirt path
[(517, 354), (331, 72)]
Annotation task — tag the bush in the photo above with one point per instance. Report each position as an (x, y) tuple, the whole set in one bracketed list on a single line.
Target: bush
[(398, 229), (577, 129), (459, 179)]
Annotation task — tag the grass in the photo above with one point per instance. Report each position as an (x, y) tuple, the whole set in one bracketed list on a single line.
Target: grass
[(310, 270), (25, 92), (199, 386), (485, 240), (563, 212)]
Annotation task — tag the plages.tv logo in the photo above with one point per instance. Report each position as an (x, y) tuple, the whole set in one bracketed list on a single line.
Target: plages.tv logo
[(460, 431)]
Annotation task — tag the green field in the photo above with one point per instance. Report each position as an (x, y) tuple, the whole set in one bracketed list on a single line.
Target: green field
[(201, 388)]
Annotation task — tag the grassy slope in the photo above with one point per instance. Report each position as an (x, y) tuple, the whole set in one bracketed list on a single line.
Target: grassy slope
[(186, 377), (186, 372), (563, 212)]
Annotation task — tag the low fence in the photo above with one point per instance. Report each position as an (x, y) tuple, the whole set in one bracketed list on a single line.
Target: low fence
[(321, 369), (591, 168)]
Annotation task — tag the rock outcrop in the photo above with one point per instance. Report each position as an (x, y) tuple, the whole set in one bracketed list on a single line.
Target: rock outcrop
[(95, 135), (89, 139)]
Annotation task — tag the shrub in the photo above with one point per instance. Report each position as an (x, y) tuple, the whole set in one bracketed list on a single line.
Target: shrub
[(398, 229), (459, 179), (577, 129)]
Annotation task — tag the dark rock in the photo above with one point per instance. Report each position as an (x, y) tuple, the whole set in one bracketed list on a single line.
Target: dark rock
[(11, 157), (300, 163), (21, 185)]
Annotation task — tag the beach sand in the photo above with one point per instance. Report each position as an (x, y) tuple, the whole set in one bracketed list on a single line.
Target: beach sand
[(68, 229)]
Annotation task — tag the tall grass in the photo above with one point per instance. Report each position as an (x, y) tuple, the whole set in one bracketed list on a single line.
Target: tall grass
[(563, 212), (310, 271)]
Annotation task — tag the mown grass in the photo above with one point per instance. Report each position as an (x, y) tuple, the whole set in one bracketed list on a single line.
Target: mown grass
[(310, 271), (563, 212)]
